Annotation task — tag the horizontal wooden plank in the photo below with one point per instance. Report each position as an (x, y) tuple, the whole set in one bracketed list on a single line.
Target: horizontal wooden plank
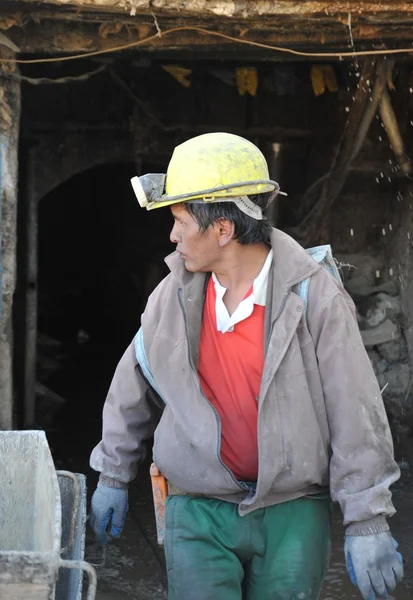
[(83, 37), (231, 8), (99, 25)]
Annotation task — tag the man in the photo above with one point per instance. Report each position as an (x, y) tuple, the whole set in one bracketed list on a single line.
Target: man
[(261, 404)]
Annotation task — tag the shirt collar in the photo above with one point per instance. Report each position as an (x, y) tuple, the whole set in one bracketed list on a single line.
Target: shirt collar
[(225, 322), (259, 286)]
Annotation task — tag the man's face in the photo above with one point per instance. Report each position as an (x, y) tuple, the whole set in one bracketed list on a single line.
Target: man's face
[(199, 250)]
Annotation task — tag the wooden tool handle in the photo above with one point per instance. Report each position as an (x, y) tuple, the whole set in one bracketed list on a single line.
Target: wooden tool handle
[(160, 493)]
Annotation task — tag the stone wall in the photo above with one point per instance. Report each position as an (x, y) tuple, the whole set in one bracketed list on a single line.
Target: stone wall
[(401, 256), (383, 328), (59, 157), (372, 231)]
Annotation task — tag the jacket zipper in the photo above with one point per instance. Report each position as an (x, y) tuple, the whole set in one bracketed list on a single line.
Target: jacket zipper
[(217, 418), (252, 494)]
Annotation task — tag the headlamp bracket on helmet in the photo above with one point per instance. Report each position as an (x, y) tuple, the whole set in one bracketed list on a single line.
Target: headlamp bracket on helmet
[(148, 188)]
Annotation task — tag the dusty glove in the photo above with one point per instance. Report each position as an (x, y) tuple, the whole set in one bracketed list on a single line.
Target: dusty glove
[(373, 563), (109, 507)]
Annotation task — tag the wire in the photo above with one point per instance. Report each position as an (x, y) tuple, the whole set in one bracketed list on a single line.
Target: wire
[(238, 40), (59, 80)]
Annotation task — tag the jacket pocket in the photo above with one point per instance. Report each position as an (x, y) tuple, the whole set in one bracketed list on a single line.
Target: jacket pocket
[(305, 448)]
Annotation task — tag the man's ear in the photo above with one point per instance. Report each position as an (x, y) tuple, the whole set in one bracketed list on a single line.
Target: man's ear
[(225, 232)]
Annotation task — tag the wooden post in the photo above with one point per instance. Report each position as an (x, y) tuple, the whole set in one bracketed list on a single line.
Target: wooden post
[(9, 134), (25, 297), (362, 112), (272, 151), (30, 295)]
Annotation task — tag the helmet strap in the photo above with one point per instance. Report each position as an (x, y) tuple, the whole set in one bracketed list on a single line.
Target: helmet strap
[(245, 205)]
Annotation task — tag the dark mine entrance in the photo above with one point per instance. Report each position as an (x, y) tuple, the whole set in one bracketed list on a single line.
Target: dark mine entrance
[(99, 256)]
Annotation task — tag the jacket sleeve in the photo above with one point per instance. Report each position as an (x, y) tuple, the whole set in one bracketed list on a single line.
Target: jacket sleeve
[(362, 465), (130, 416)]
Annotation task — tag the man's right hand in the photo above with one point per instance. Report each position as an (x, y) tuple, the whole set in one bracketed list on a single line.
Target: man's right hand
[(108, 511)]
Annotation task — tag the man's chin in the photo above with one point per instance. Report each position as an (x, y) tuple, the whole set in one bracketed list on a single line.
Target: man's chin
[(193, 267), (189, 265)]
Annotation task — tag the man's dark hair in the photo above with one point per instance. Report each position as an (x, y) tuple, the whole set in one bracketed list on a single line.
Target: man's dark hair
[(247, 229)]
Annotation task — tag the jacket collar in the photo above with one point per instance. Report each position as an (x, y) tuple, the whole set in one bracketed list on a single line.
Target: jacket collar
[(291, 264)]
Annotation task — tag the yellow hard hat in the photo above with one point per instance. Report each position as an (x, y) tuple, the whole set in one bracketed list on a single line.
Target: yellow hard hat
[(208, 167)]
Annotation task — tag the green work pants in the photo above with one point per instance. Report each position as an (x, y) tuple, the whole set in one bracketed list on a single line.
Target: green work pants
[(275, 553)]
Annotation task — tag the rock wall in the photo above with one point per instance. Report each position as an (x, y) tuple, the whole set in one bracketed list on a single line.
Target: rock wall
[(382, 325), (401, 255), (61, 156), (377, 265)]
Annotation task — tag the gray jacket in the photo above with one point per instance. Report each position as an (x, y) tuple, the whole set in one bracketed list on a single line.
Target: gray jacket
[(321, 419)]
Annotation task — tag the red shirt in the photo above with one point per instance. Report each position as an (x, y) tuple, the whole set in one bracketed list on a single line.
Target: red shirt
[(230, 372)]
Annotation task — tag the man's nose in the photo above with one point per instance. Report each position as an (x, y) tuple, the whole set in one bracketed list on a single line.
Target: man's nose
[(174, 235)]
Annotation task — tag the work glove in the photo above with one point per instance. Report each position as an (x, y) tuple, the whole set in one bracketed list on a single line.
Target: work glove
[(373, 563), (108, 511)]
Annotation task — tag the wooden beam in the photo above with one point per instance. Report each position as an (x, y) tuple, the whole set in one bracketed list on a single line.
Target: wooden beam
[(227, 9), (9, 132), (272, 134), (81, 33), (359, 120), (392, 128)]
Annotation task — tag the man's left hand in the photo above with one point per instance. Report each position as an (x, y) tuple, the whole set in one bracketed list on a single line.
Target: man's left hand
[(373, 563)]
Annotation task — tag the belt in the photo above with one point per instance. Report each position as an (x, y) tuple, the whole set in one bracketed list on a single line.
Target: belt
[(173, 490), (176, 491)]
